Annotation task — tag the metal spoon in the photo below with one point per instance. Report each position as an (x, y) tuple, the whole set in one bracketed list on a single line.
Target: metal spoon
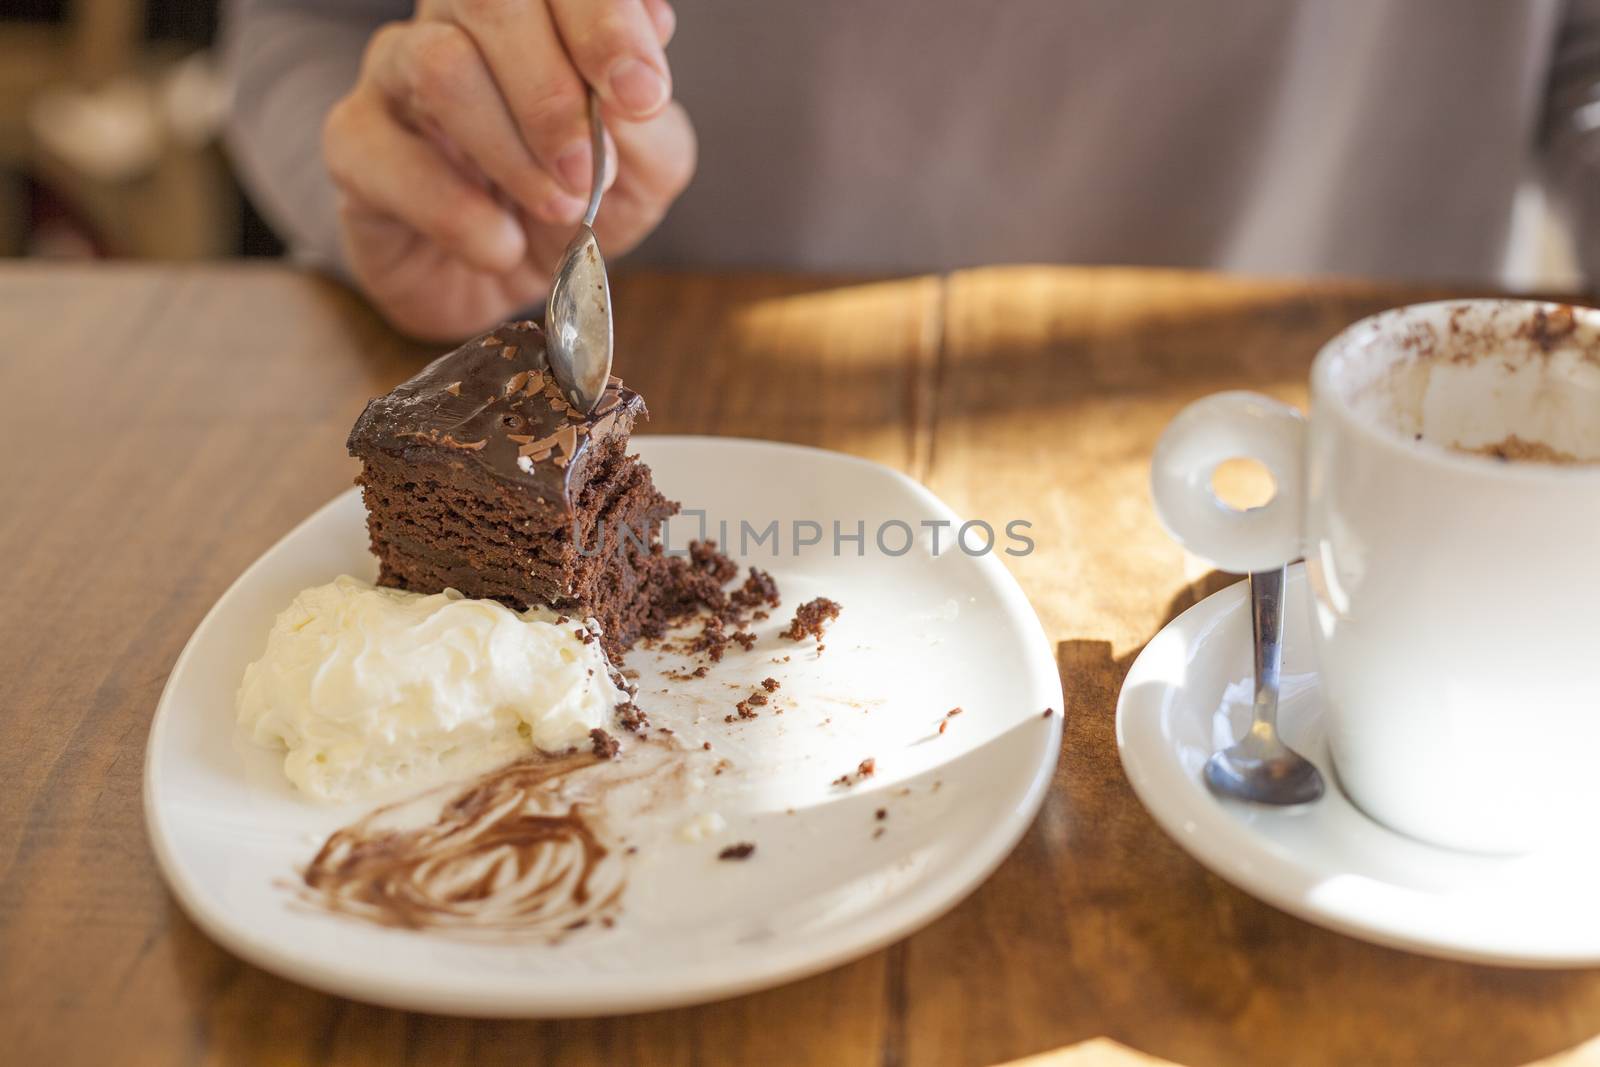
[(577, 317), (1260, 767)]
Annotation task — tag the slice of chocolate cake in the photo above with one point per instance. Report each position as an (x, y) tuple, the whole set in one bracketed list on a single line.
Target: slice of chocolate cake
[(478, 476)]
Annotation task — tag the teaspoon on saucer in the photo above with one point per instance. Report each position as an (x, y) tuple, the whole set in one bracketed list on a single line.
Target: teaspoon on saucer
[(1260, 768)]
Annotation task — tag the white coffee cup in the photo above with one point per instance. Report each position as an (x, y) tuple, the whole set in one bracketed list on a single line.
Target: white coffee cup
[(1456, 613)]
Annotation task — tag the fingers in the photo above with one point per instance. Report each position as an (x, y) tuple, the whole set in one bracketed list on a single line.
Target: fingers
[(455, 153), (656, 160), (395, 172), (437, 80), (663, 18), (616, 46), (544, 94), (421, 289)]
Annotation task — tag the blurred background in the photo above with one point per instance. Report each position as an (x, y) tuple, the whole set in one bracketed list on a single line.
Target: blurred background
[(111, 114)]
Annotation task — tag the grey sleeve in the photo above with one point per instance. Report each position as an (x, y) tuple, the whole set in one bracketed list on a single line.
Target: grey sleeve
[(1571, 130), (288, 61)]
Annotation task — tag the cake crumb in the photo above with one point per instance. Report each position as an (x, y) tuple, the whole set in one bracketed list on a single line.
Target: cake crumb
[(865, 769), (605, 746), (742, 851), (758, 590), (630, 718), (1047, 713), (769, 684), (811, 618)]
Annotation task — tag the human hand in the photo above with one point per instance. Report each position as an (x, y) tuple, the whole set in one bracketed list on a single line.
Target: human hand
[(463, 160)]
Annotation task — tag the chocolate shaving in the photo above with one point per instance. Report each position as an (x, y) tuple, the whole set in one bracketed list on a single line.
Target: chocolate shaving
[(509, 352), (543, 444), (567, 440), (454, 388), (517, 381), (465, 446)]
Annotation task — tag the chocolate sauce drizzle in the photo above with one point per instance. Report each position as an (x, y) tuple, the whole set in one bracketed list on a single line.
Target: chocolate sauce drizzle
[(508, 853)]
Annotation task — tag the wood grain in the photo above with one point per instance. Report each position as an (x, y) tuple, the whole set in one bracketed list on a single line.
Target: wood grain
[(164, 426)]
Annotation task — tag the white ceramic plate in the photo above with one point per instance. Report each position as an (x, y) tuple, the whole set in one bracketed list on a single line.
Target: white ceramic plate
[(1189, 693), (919, 634)]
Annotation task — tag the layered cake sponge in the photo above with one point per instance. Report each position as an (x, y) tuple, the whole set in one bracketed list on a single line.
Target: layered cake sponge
[(479, 477)]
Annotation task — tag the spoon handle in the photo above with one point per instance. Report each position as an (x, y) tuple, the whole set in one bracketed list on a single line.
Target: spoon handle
[(1266, 619), (597, 135)]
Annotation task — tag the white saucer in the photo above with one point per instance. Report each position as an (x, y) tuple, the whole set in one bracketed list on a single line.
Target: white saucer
[(1188, 694), (829, 881)]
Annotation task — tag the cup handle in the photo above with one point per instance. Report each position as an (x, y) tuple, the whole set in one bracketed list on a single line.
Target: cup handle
[(1204, 434)]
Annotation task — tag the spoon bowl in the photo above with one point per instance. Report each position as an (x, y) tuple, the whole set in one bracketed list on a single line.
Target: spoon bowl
[(1260, 768), (577, 323), (1283, 778), (577, 316)]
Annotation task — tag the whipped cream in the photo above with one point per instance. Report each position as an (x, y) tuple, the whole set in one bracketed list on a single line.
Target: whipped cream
[(369, 688)]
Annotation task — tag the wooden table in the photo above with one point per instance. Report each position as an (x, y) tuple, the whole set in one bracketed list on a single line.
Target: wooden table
[(164, 426)]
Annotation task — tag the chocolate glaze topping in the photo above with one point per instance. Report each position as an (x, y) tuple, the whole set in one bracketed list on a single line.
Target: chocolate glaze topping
[(493, 402), (506, 853)]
